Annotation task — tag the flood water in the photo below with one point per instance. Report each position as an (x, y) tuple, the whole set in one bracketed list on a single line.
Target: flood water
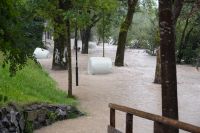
[(131, 85)]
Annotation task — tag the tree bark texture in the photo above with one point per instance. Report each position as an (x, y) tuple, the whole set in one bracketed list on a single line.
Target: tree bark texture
[(119, 59), (59, 53), (157, 78), (177, 7), (85, 36), (168, 63)]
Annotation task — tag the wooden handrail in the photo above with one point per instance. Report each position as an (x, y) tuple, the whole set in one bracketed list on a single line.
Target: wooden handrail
[(156, 118)]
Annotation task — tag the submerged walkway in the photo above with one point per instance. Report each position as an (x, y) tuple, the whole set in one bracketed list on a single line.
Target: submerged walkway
[(130, 86)]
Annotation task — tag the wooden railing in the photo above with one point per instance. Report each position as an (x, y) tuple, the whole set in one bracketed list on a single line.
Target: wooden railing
[(158, 120)]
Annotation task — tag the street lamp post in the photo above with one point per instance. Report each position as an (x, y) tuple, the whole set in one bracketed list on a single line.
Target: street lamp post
[(103, 34), (76, 46)]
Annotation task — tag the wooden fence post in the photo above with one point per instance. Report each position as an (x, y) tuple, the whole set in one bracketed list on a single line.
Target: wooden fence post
[(112, 117), (157, 127), (129, 123)]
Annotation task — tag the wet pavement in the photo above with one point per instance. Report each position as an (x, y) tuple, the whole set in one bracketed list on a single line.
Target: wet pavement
[(131, 85)]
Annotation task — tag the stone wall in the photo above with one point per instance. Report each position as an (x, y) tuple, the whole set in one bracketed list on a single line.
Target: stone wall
[(16, 119)]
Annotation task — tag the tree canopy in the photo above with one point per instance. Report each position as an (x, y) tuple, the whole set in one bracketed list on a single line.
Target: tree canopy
[(20, 33), (22, 24)]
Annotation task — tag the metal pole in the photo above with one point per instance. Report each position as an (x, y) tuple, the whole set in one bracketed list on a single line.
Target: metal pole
[(45, 38), (103, 35), (45, 33), (76, 45)]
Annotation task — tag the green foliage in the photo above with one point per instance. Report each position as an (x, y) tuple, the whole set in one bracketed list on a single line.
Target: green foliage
[(20, 33), (144, 30), (30, 85), (112, 22), (189, 55), (28, 127), (52, 116), (72, 115), (104, 27), (190, 40), (26, 11), (1, 58), (86, 12)]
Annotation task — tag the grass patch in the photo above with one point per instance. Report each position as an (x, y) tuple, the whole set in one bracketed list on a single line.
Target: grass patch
[(31, 85)]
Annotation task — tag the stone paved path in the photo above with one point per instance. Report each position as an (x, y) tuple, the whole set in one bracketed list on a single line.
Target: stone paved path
[(131, 86)]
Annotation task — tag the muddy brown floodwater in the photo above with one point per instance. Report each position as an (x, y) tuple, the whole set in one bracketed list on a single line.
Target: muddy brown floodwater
[(130, 86)]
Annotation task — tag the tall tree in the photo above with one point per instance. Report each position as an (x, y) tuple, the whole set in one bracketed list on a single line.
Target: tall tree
[(67, 6), (59, 53), (119, 59), (86, 32), (168, 63), (176, 8), (60, 49), (53, 13), (93, 10), (190, 19)]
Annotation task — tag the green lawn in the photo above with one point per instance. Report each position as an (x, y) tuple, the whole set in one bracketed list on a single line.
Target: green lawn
[(30, 85)]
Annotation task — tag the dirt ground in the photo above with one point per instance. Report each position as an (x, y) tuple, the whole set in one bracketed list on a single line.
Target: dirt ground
[(130, 86)]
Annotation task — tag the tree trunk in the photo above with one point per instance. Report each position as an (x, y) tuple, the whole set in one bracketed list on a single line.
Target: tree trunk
[(119, 59), (98, 41), (85, 36), (63, 29), (168, 63), (157, 78), (86, 32), (59, 53), (178, 4), (69, 59), (59, 59)]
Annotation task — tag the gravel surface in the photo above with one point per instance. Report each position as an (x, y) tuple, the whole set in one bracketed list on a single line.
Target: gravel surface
[(130, 86)]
